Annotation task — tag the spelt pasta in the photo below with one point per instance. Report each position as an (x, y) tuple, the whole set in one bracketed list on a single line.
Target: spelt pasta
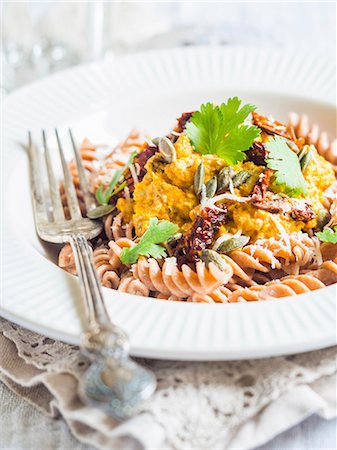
[(248, 241), (88, 155), (314, 135), (325, 275), (115, 227), (169, 280)]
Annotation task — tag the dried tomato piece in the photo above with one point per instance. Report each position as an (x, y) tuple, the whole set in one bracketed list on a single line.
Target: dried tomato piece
[(270, 126), (257, 153), (274, 206), (182, 121), (260, 189), (204, 229), (142, 158), (302, 212), (139, 162)]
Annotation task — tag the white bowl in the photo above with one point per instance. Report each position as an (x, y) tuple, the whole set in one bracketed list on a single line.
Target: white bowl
[(104, 101)]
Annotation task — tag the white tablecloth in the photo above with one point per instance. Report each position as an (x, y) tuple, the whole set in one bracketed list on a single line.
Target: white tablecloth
[(22, 427)]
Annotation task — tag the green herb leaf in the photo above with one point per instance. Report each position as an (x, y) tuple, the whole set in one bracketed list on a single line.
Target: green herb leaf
[(328, 235), (219, 130), (104, 197), (287, 167), (108, 193), (100, 195), (157, 233), (120, 188)]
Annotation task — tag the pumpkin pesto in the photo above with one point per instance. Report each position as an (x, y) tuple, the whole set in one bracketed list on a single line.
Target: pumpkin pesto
[(166, 192)]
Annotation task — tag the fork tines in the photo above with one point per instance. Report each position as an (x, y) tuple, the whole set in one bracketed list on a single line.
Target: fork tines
[(54, 185)]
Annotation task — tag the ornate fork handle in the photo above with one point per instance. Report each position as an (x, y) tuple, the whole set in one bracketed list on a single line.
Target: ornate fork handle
[(101, 336), (113, 381)]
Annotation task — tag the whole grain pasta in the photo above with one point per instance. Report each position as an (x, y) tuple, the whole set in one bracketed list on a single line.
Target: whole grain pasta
[(169, 280), (88, 155), (314, 135), (325, 275), (116, 228)]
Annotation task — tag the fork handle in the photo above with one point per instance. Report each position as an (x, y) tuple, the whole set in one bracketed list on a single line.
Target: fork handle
[(101, 335), (91, 290)]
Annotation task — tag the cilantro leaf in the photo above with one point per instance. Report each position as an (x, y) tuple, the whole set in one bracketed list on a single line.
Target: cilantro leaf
[(219, 130), (104, 197), (327, 235), (238, 140), (157, 233), (232, 115), (287, 167)]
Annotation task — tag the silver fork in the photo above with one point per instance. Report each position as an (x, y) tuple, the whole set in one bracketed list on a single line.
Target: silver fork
[(113, 382)]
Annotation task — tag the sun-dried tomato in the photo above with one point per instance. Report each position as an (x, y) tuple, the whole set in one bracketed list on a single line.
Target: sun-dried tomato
[(142, 158), (182, 121), (139, 162), (302, 212), (204, 229), (274, 206), (272, 126), (257, 153), (260, 189)]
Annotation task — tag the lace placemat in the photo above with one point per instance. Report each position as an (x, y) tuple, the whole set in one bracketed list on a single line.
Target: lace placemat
[(197, 405)]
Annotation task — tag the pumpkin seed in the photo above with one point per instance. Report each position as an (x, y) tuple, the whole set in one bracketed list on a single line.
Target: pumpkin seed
[(199, 178), (305, 160), (174, 239), (240, 178), (232, 244), (166, 148), (210, 256), (224, 177), (100, 211), (211, 187), (291, 144), (203, 196), (323, 217), (304, 150), (156, 141)]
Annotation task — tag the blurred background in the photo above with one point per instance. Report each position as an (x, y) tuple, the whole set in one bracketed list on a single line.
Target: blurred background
[(41, 37)]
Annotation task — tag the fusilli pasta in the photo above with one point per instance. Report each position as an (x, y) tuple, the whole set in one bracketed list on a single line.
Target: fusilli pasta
[(291, 285), (313, 135), (169, 280), (88, 155), (115, 227)]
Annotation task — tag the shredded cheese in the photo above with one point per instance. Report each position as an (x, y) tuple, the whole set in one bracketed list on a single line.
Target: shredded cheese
[(134, 174), (233, 197), (170, 265), (137, 166), (283, 233), (318, 255), (203, 200), (231, 187), (127, 193)]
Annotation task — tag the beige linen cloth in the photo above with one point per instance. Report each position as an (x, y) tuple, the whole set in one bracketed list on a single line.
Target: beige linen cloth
[(215, 405)]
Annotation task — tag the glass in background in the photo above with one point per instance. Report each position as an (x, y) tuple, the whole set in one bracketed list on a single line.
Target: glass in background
[(41, 37)]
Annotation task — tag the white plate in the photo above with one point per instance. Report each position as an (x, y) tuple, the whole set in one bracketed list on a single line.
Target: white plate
[(103, 101)]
